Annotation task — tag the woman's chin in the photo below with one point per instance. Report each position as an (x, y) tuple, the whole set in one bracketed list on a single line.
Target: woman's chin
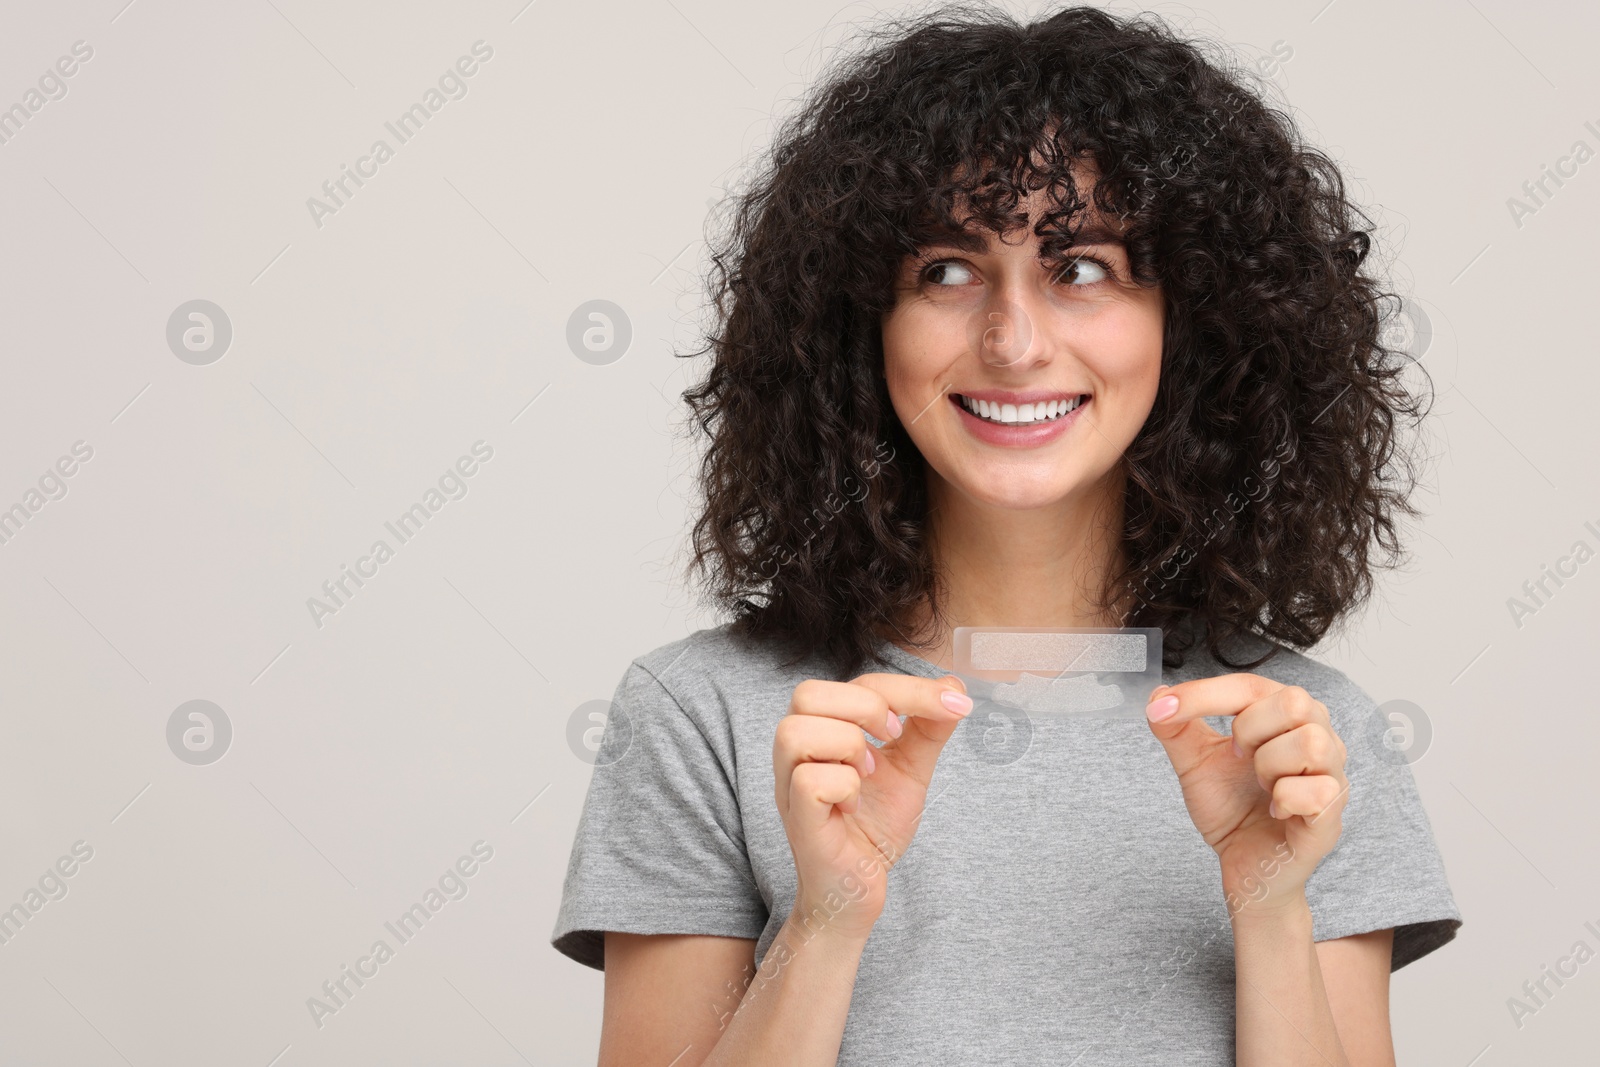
[(1024, 496)]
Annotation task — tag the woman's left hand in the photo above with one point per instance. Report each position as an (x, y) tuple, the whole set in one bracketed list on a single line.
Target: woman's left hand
[(1268, 799)]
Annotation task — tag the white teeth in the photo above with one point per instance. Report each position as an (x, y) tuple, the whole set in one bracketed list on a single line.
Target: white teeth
[(1014, 414)]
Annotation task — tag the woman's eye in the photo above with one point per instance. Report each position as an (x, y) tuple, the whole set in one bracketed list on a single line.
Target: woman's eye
[(939, 273), (1083, 272), (1078, 272)]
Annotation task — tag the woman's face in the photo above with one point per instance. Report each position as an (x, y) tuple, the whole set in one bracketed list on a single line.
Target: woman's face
[(1022, 382)]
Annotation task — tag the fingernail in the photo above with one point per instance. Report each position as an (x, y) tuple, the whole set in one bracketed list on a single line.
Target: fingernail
[(1237, 751), (959, 703), (895, 729), (956, 679), (1164, 708), (1272, 808), (872, 764)]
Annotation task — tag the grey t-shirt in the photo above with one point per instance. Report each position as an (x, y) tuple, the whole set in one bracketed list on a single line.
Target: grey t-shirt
[(1056, 904)]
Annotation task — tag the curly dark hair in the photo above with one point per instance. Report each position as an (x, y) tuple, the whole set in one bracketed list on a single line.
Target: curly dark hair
[(1274, 366)]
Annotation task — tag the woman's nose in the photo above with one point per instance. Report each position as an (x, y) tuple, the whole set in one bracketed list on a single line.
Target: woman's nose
[(1004, 335)]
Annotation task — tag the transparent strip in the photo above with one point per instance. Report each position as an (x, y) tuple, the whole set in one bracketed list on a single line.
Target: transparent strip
[(1082, 672)]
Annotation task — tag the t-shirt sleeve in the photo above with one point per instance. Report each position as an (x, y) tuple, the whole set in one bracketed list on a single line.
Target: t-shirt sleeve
[(1386, 870), (660, 844)]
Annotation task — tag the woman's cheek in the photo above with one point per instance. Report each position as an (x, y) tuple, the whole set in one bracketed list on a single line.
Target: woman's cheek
[(1130, 367), (903, 397)]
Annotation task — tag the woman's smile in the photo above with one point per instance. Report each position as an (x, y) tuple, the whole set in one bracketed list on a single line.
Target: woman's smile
[(1019, 420)]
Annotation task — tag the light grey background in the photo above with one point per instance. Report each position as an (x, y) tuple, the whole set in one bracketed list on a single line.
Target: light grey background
[(368, 354)]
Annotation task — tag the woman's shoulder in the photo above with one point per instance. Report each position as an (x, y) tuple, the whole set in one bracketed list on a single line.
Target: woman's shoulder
[(711, 652), (717, 665), (712, 691)]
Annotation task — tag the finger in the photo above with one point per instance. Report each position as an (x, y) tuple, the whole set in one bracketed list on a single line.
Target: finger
[(1185, 738), (1312, 749), (844, 701), (1226, 694), (872, 700), (1186, 743), (935, 699), (815, 789), (933, 707), (1279, 712), (813, 739), (1315, 797)]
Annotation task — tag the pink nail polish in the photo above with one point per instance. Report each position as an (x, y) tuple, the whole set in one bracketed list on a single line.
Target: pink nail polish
[(1164, 708), (872, 764), (1237, 751), (895, 729), (959, 703)]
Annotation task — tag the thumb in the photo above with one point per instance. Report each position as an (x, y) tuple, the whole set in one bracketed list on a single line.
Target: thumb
[(1185, 738)]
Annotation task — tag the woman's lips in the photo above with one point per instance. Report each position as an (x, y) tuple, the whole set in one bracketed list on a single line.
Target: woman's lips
[(1029, 435)]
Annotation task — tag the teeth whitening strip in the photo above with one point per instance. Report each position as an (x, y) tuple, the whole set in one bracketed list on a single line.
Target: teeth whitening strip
[(1086, 673)]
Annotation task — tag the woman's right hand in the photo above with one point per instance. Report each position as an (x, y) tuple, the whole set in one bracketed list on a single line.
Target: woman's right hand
[(849, 808)]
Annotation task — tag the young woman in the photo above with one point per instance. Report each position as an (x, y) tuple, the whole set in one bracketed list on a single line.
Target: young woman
[(1049, 325)]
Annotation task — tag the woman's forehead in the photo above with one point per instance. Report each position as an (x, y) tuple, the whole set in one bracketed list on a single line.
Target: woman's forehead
[(1086, 225)]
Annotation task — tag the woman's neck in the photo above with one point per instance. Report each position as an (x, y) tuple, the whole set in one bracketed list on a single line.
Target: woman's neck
[(1017, 567)]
